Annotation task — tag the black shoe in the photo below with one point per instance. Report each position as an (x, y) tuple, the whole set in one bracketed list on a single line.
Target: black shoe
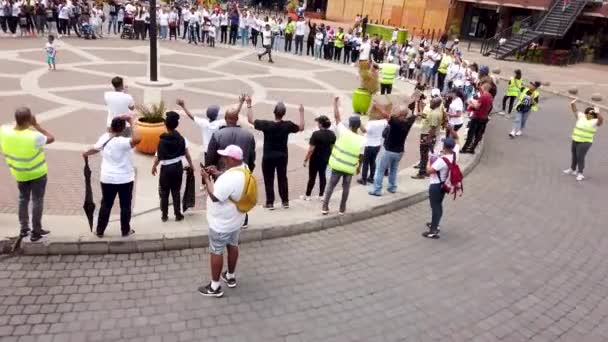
[(361, 181), (164, 218), (24, 234), (231, 283), (431, 235), (179, 218), (271, 61), (259, 57), (131, 232), (419, 176), (417, 166), (34, 238), (286, 205), (428, 225), (370, 180), (268, 206), (99, 235), (207, 291), (44, 232)]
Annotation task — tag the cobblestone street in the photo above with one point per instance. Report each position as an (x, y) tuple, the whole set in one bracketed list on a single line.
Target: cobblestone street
[(522, 258)]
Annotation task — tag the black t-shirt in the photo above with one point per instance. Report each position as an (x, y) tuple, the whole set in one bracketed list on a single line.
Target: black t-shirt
[(397, 131), (323, 141), (275, 136)]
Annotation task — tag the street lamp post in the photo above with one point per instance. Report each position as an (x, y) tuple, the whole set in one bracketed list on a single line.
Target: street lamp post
[(153, 43)]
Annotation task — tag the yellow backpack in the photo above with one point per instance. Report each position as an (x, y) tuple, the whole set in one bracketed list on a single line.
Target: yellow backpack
[(249, 198)]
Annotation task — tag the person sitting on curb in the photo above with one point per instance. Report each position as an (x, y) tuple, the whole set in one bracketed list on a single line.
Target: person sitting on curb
[(345, 159)]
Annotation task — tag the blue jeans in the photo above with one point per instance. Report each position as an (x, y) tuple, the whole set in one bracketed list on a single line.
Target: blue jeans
[(436, 196), (113, 22), (387, 160), (318, 49), (519, 122), (163, 32), (244, 36)]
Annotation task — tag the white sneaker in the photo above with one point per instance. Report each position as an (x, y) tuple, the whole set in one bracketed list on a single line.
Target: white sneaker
[(305, 198), (512, 134), (580, 177), (518, 133), (502, 112), (568, 171)]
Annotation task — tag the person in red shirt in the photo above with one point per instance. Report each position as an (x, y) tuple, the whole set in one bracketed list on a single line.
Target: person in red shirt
[(477, 126)]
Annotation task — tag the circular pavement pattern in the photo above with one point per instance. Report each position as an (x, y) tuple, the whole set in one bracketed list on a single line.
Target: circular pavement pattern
[(69, 102), (522, 258)]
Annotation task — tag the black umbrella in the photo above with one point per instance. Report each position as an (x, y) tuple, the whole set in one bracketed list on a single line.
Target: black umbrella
[(189, 192), (89, 205)]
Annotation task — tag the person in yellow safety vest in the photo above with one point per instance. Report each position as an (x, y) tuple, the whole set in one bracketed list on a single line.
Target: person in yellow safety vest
[(442, 70), (514, 88), (345, 159), (388, 72), (338, 45), (582, 138), (527, 102), (22, 149)]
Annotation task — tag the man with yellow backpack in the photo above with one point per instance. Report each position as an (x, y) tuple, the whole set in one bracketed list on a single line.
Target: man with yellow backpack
[(230, 197), (514, 88)]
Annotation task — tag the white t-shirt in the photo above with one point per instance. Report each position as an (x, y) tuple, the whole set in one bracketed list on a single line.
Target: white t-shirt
[(582, 116), (266, 38), (365, 49), (300, 28), (374, 129), (164, 19), (223, 216), (64, 12), (456, 106), (50, 49), (118, 104), (223, 19), (442, 168), (208, 128), (117, 162), (429, 59), (186, 15), (215, 20)]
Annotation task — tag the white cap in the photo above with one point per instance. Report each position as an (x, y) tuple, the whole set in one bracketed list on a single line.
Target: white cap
[(435, 92), (390, 59), (458, 84)]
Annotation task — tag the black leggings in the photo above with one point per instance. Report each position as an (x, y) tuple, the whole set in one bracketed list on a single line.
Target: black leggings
[(170, 182), (369, 163), (511, 100), (314, 168), (108, 195), (310, 47), (269, 166), (579, 151)]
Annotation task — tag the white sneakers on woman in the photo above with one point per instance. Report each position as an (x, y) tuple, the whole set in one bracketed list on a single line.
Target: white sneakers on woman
[(579, 176)]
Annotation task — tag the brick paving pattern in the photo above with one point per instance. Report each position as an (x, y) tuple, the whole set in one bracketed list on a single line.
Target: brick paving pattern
[(522, 258)]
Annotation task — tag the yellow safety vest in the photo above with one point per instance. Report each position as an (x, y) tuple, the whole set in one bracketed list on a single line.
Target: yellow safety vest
[(345, 154), (514, 87), (25, 161), (584, 131), (535, 95), (444, 64), (339, 41), (388, 72)]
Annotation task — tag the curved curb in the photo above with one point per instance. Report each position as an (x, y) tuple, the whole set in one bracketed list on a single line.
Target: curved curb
[(183, 240)]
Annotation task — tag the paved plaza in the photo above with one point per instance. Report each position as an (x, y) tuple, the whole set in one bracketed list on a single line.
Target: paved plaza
[(522, 255)]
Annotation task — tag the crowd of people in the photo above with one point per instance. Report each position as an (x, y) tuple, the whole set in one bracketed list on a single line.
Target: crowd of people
[(450, 93)]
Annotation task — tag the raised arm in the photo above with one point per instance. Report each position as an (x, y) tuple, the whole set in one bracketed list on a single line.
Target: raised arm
[(182, 104), (600, 119), (573, 108), (135, 137), (250, 118), (49, 137), (242, 99), (337, 110), (301, 124)]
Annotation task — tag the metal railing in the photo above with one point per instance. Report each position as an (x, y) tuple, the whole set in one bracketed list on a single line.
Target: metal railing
[(564, 21), (492, 44)]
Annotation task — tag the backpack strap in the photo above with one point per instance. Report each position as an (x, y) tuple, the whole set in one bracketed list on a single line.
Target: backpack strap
[(248, 177)]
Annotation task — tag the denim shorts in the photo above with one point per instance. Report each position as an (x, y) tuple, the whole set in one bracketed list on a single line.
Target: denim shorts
[(218, 241), (427, 70)]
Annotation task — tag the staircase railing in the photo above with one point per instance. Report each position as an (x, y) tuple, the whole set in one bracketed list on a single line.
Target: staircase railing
[(491, 44), (564, 21)]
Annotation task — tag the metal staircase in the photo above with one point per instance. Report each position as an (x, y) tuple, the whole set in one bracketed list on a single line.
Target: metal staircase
[(552, 24)]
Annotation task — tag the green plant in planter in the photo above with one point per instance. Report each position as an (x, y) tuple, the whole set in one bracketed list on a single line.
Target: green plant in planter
[(154, 113), (362, 96)]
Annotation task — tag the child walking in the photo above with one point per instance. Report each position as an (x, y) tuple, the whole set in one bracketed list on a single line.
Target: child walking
[(51, 52)]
